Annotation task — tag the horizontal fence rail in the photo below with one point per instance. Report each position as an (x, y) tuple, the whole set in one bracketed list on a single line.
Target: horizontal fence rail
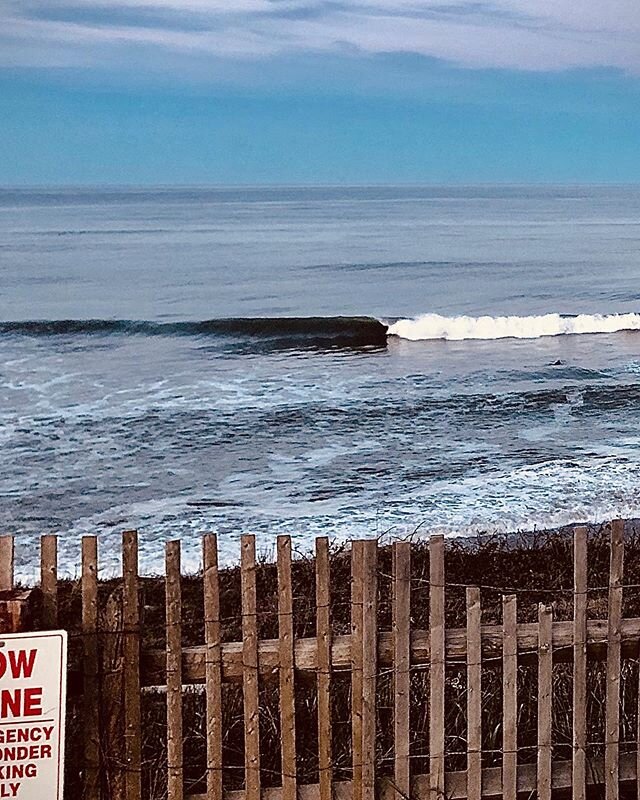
[(374, 705)]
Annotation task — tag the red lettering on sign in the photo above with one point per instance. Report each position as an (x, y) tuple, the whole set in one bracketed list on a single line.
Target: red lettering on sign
[(33, 702), (21, 703), (10, 703), (20, 663)]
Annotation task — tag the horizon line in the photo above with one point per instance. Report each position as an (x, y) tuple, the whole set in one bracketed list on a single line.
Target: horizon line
[(325, 185)]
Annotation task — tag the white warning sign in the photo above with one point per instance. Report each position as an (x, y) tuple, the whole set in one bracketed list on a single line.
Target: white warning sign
[(33, 673)]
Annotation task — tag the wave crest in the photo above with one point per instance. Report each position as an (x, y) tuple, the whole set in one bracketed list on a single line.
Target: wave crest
[(435, 326), (269, 332)]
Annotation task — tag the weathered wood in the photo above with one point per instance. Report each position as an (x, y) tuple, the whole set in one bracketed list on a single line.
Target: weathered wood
[(287, 689), (323, 645), (194, 658), (250, 667), (18, 610), (612, 732), (6, 563), (213, 667), (131, 677), (91, 699), (369, 667), (436, 668), (357, 653), (456, 783), (402, 664), (174, 672), (474, 695), (49, 580), (364, 652), (545, 666), (114, 670), (638, 737), (509, 698), (579, 664)]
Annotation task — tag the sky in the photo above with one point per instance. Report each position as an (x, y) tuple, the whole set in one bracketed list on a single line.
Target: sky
[(319, 91)]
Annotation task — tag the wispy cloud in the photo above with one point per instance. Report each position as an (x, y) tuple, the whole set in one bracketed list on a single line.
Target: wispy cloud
[(536, 35)]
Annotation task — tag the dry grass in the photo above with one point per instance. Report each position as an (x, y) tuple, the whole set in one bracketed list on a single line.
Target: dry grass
[(538, 567)]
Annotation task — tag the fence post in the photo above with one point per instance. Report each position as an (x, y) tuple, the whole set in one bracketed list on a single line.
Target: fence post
[(474, 694), (49, 580), (6, 563), (250, 668), (91, 698), (579, 664), (213, 667), (357, 595), (15, 606), (436, 669), (402, 664), (323, 642), (545, 700), (369, 667), (611, 752), (174, 671), (509, 697), (131, 624), (286, 670)]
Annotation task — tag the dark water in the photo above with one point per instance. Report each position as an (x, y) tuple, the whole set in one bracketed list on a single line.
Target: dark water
[(147, 377)]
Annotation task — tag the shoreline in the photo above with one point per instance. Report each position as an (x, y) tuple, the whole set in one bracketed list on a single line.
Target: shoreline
[(27, 548)]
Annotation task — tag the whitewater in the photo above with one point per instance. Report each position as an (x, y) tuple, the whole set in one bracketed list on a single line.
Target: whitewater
[(435, 326), (190, 360)]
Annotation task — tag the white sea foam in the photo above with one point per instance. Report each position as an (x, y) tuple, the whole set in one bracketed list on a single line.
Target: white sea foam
[(435, 326)]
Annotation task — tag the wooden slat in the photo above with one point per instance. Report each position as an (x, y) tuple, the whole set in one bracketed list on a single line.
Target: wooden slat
[(49, 580), (456, 782), (611, 756), (194, 658), (369, 667), (436, 669), (213, 667), (545, 666), (131, 667), (250, 668), (579, 781), (638, 731), (474, 695), (287, 686), (6, 563), (323, 643), (402, 663), (91, 722), (357, 653), (174, 672), (509, 698)]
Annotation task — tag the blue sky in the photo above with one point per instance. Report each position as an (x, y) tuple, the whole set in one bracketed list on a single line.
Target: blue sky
[(317, 91)]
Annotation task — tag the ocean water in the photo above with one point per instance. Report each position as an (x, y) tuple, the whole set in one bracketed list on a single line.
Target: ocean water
[(315, 361)]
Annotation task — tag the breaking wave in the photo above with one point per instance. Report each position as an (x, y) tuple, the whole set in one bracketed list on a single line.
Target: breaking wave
[(434, 326), (266, 333), (271, 332)]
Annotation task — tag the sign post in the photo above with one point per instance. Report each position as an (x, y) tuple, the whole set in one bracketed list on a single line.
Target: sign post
[(33, 672)]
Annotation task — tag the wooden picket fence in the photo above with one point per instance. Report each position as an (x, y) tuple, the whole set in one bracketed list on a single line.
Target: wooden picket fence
[(363, 653)]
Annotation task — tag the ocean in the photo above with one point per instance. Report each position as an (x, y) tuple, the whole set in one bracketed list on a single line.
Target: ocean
[(366, 361)]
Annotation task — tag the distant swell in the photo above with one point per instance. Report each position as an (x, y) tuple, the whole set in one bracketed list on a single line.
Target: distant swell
[(434, 326), (270, 332)]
